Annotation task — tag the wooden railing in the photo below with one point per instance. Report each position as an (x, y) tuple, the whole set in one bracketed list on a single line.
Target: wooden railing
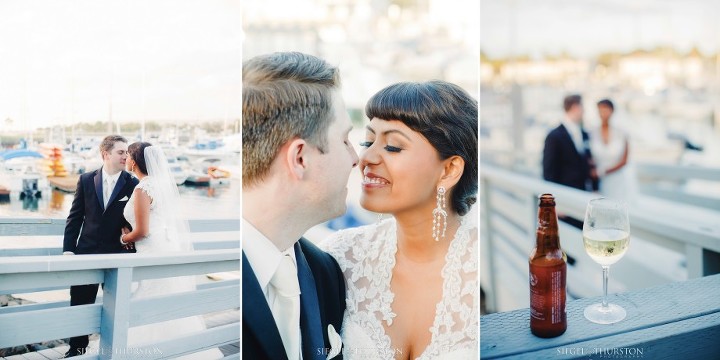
[(680, 320), (117, 311), (669, 241), (662, 181)]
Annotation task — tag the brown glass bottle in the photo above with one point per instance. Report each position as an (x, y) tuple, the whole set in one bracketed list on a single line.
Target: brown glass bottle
[(548, 275)]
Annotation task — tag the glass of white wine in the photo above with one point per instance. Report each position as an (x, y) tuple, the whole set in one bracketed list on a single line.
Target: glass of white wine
[(606, 235)]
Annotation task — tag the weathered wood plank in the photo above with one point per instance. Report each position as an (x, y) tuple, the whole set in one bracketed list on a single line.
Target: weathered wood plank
[(510, 207), (50, 324), (98, 300), (179, 305), (198, 341), (163, 271), (109, 261), (27, 282), (206, 244), (56, 226), (214, 225), (694, 338), (508, 334), (31, 226)]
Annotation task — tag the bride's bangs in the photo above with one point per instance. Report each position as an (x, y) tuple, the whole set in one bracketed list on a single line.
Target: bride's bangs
[(401, 102)]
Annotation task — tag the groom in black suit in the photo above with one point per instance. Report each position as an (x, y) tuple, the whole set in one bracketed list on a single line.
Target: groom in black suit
[(96, 219), (296, 163), (567, 159)]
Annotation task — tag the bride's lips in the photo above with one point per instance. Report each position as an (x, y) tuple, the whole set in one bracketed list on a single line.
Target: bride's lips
[(372, 181)]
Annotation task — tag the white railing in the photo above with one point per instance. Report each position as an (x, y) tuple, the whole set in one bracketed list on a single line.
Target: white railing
[(664, 181), (670, 241), (117, 311)]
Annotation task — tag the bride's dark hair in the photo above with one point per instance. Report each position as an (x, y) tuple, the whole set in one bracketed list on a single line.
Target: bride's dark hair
[(443, 113), (136, 151)]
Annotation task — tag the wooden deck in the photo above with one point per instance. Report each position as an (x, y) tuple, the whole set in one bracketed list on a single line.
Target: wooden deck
[(211, 320), (674, 321)]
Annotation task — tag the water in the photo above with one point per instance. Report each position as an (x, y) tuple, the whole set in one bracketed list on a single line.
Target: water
[(197, 202)]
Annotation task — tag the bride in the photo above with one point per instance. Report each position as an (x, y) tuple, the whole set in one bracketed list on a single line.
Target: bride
[(151, 211), (412, 279)]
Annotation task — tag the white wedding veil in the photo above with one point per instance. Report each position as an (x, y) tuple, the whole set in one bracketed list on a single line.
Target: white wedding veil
[(167, 198)]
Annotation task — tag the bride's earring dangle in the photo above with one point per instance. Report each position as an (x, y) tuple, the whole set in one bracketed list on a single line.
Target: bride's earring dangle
[(439, 215)]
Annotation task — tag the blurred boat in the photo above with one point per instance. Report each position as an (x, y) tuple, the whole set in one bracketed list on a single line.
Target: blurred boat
[(20, 173), (179, 172)]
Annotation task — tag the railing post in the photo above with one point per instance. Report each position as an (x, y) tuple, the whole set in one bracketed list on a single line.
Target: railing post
[(115, 314), (694, 258), (486, 246)]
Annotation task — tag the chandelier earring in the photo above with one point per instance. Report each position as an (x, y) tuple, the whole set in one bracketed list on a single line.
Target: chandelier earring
[(439, 215)]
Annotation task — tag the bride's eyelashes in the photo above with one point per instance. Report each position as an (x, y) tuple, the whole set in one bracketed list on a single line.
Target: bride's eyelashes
[(390, 148)]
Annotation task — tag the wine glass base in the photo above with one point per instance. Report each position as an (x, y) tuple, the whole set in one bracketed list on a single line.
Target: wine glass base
[(605, 315)]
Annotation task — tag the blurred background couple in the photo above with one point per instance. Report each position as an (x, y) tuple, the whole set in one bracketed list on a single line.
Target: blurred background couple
[(405, 287), (594, 160)]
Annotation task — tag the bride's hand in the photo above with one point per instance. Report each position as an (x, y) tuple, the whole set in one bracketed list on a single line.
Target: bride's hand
[(125, 231)]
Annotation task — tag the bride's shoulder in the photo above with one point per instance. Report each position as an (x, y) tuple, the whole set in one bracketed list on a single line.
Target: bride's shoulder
[(146, 185)]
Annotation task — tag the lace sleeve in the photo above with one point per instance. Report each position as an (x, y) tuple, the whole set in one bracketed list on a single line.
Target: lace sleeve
[(148, 187)]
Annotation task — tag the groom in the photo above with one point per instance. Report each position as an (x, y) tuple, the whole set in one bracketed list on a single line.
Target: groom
[(96, 219), (296, 163)]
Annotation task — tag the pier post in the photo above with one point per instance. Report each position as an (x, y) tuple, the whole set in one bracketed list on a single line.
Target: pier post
[(115, 314)]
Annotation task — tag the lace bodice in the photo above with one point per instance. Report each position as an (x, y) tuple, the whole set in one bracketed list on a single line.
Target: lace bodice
[(159, 233), (366, 256)]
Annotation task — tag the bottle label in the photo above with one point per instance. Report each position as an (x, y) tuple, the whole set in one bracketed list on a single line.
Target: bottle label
[(547, 293)]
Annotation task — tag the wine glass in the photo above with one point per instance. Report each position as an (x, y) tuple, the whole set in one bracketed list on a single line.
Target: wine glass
[(606, 235)]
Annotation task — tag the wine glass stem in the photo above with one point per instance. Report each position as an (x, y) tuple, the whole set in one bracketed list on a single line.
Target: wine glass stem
[(606, 272)]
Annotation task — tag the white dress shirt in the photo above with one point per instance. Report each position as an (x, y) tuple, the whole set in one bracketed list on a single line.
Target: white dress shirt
[(264, 257), (575, 132), (106, 180)]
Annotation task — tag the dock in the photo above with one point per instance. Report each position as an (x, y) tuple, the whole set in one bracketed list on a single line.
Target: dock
[(30, 270), (67, 183)]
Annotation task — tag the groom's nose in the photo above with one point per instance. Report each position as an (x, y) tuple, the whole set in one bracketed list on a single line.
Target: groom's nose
[(355, 158)]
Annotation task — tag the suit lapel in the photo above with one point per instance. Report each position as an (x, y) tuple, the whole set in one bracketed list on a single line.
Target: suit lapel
[(98, 188), (310, 326), (569, 141), (257, 315), (120, 184)]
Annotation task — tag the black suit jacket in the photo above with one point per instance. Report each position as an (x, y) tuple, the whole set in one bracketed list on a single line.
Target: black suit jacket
[(91, 229), (563, 164), (260, 336)]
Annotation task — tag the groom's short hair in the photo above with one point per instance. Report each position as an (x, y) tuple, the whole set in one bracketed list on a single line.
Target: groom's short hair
[(109, 141), (285, 95)]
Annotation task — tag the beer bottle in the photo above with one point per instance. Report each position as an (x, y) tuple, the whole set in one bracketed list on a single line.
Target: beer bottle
[(548, 273)]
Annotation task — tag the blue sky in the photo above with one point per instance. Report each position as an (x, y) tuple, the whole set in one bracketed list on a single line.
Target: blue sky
[(587, 27)]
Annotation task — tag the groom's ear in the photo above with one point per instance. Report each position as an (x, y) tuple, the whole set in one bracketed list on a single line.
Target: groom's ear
[(452, 171), (295, 158)]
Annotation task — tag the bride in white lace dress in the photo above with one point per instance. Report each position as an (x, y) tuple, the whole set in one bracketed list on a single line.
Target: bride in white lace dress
[(151, 211), (412, 280)]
